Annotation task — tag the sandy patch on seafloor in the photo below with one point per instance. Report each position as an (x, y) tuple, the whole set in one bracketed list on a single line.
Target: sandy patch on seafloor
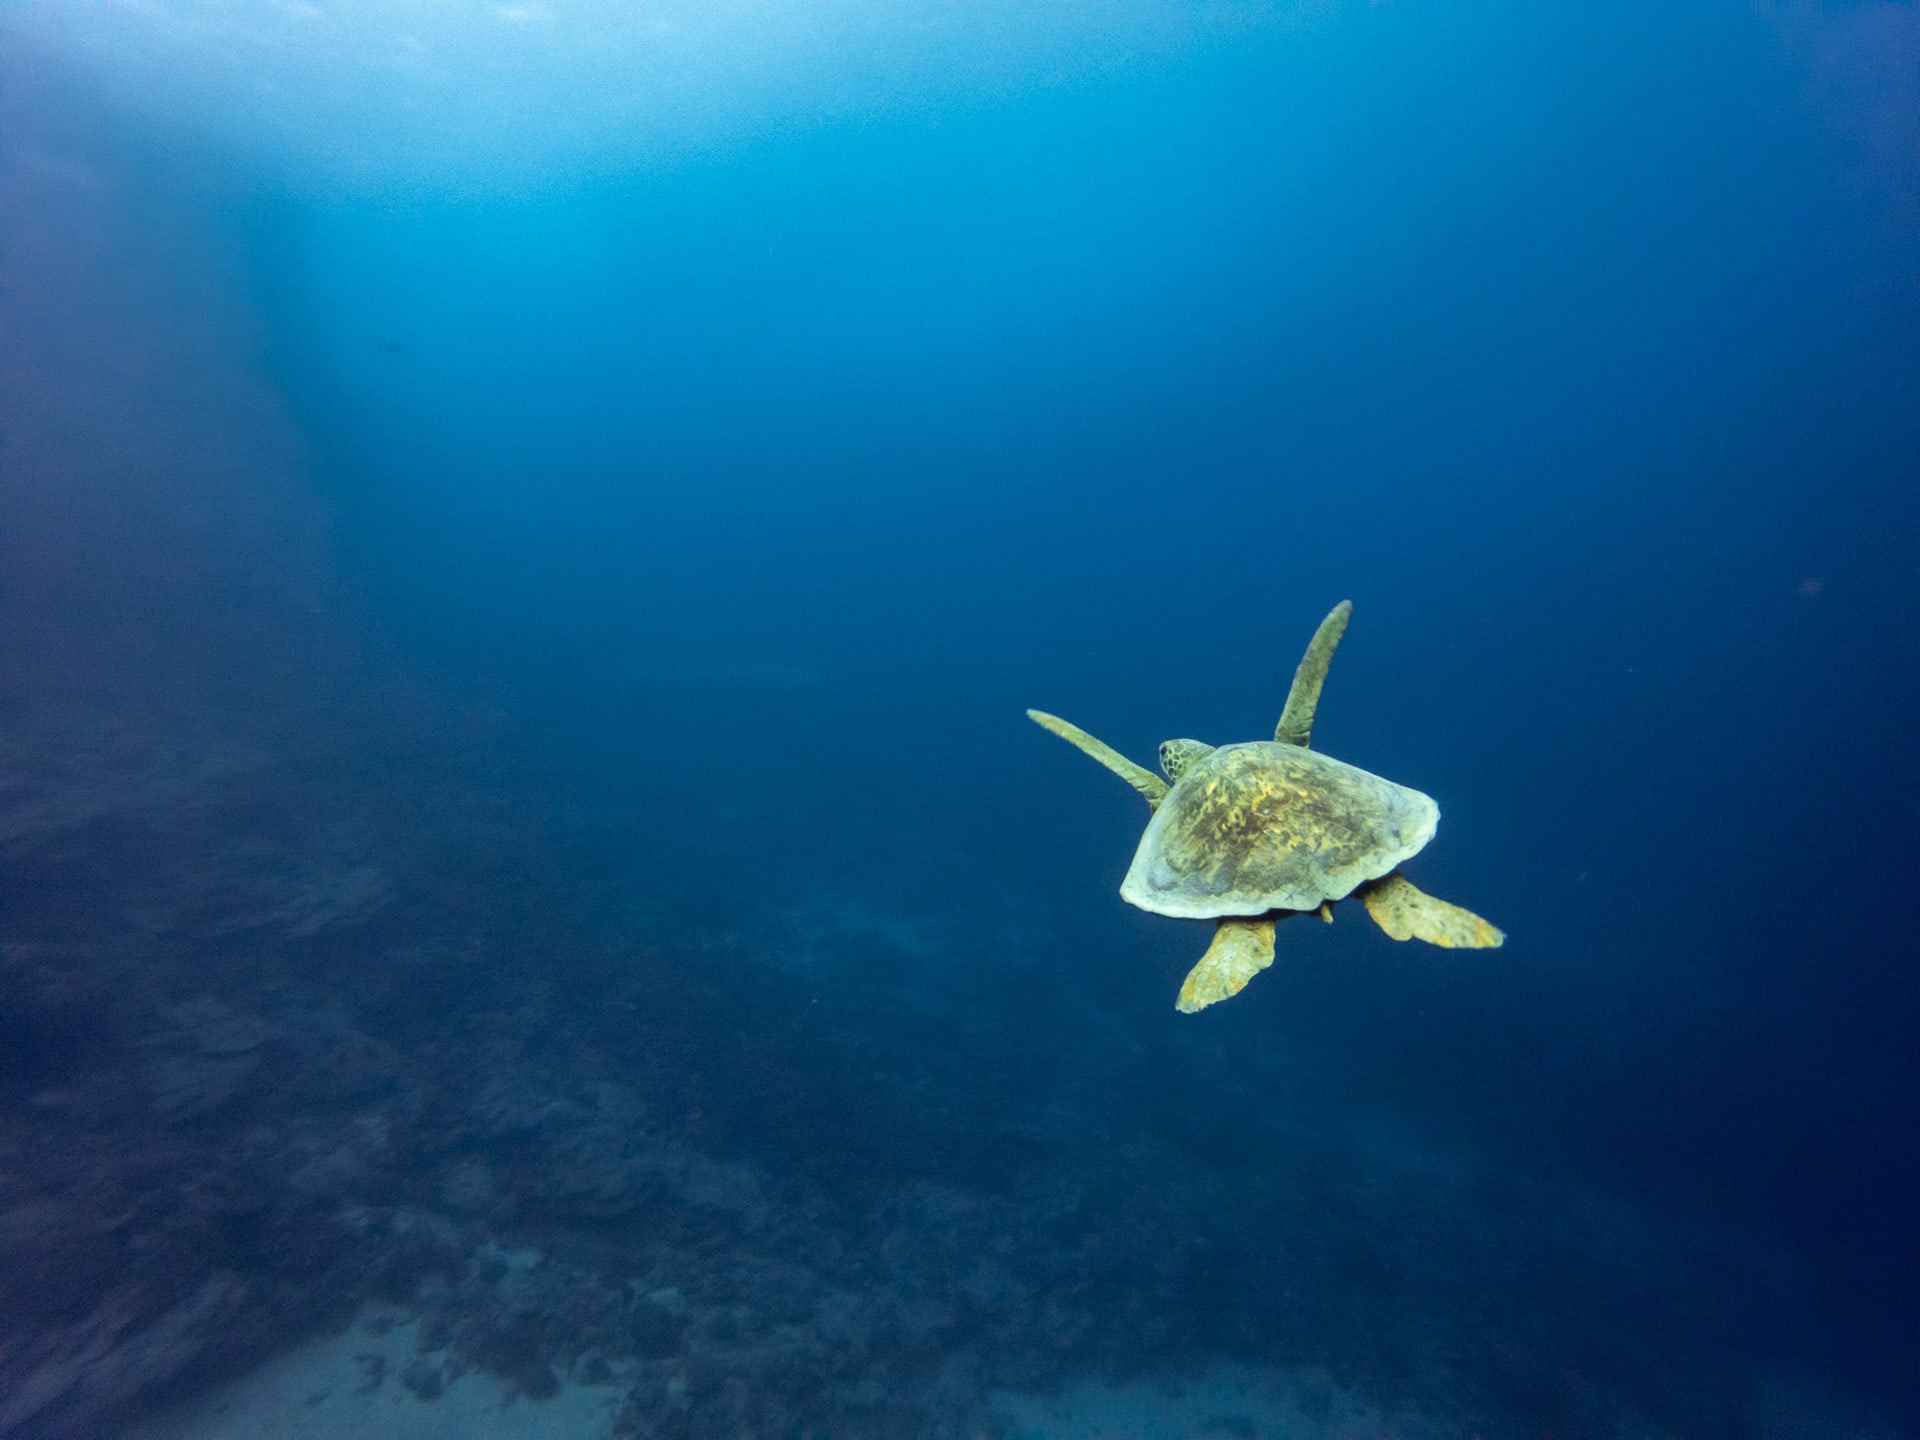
[(348, 1387)]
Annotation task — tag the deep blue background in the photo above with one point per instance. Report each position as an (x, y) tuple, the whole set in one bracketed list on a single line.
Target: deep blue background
[(1582, 352), (1568, 349)]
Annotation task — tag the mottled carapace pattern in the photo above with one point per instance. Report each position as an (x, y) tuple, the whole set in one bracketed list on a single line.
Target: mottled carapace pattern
[(1266, 826)]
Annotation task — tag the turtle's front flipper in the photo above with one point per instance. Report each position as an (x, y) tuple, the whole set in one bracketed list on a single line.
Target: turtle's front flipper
[(1296, 721), (1241, 949), (1143, 780), (1408, 913)]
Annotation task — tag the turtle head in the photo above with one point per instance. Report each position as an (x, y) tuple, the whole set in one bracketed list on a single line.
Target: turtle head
[(1177, 756)]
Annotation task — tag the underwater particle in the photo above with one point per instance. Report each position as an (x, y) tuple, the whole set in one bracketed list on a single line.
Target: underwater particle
[(1248, 834)]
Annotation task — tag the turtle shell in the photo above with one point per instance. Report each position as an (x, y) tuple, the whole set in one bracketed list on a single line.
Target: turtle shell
[(1266, 826)]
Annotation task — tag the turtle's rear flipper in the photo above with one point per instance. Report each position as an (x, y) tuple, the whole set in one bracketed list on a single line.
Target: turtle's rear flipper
[(1241, 949), (1408, 913)]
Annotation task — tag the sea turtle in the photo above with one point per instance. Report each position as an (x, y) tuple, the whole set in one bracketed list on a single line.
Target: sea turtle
[(1248, 834)]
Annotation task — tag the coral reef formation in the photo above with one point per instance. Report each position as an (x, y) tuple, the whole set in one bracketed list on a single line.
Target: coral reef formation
[(301, 1023)]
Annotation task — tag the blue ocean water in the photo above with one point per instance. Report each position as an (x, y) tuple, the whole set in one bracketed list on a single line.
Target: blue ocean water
[(524, 562)]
